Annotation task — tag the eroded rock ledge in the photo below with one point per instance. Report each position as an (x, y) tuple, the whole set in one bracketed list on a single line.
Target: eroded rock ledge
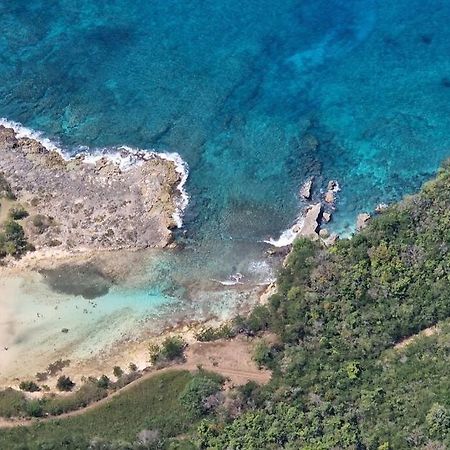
[(78, 205)]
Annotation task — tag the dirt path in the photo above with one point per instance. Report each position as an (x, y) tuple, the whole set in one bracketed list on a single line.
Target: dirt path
[(232, 359), (426, 332)]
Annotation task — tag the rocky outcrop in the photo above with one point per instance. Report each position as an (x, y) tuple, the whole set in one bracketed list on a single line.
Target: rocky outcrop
[(329, 197), (311, 222), (333, 185), (305, 190), (84, 203), (362, 221), (332, 188)]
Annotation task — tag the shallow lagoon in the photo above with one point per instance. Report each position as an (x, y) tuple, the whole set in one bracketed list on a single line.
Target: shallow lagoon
[(255, 96)]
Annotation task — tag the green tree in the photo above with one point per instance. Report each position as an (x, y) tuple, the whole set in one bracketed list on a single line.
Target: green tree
[(194, 396), (14, 238)]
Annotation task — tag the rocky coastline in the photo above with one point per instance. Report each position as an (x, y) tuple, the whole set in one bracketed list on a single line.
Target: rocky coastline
[(80, 204)]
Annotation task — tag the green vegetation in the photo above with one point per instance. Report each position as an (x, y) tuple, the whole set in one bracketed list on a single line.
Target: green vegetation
[(65, 384), (29, 386), (172, 348), (103, 382), (153, 405), (5, 188), (405, 403), (12, 236), (200, 394), (88, 393), (339, 381), (337, 312), (12, 240), (18, 212), (117, 371), (208, 334), (12, 403)]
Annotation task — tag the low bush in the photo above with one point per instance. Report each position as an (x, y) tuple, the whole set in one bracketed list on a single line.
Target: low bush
[(18, 212), (12, 239), (172, 348), (209, 334), (103, 382), (34, 408), (117, 371), (55, 367), (5, 188), (41, 223), (29, 386)]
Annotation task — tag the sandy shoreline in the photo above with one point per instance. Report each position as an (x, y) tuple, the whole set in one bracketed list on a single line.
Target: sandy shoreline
[(99, 338)]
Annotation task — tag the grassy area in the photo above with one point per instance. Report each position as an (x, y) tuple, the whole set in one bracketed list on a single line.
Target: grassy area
[(12, 403), (152, 404)]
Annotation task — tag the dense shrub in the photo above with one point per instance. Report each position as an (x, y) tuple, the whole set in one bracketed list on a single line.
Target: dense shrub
[(64, 383), (13, 240), (172, 348), (196, 397)]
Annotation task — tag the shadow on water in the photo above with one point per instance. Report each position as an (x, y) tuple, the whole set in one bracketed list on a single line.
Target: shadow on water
[(86, 280)]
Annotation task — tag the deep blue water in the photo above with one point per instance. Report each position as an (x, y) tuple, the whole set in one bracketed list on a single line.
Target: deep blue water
[(240, 90)]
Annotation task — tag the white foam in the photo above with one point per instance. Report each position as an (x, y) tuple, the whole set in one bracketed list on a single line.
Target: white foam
[(228, 282), (232, 281), (288, 236), (124, 157), (182, 168), (336, 187), (24, 132)]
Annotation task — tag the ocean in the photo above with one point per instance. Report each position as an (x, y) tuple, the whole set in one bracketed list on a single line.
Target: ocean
[(256, 97)]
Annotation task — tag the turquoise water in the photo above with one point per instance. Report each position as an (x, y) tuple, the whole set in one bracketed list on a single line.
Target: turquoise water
[(240, 89)]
